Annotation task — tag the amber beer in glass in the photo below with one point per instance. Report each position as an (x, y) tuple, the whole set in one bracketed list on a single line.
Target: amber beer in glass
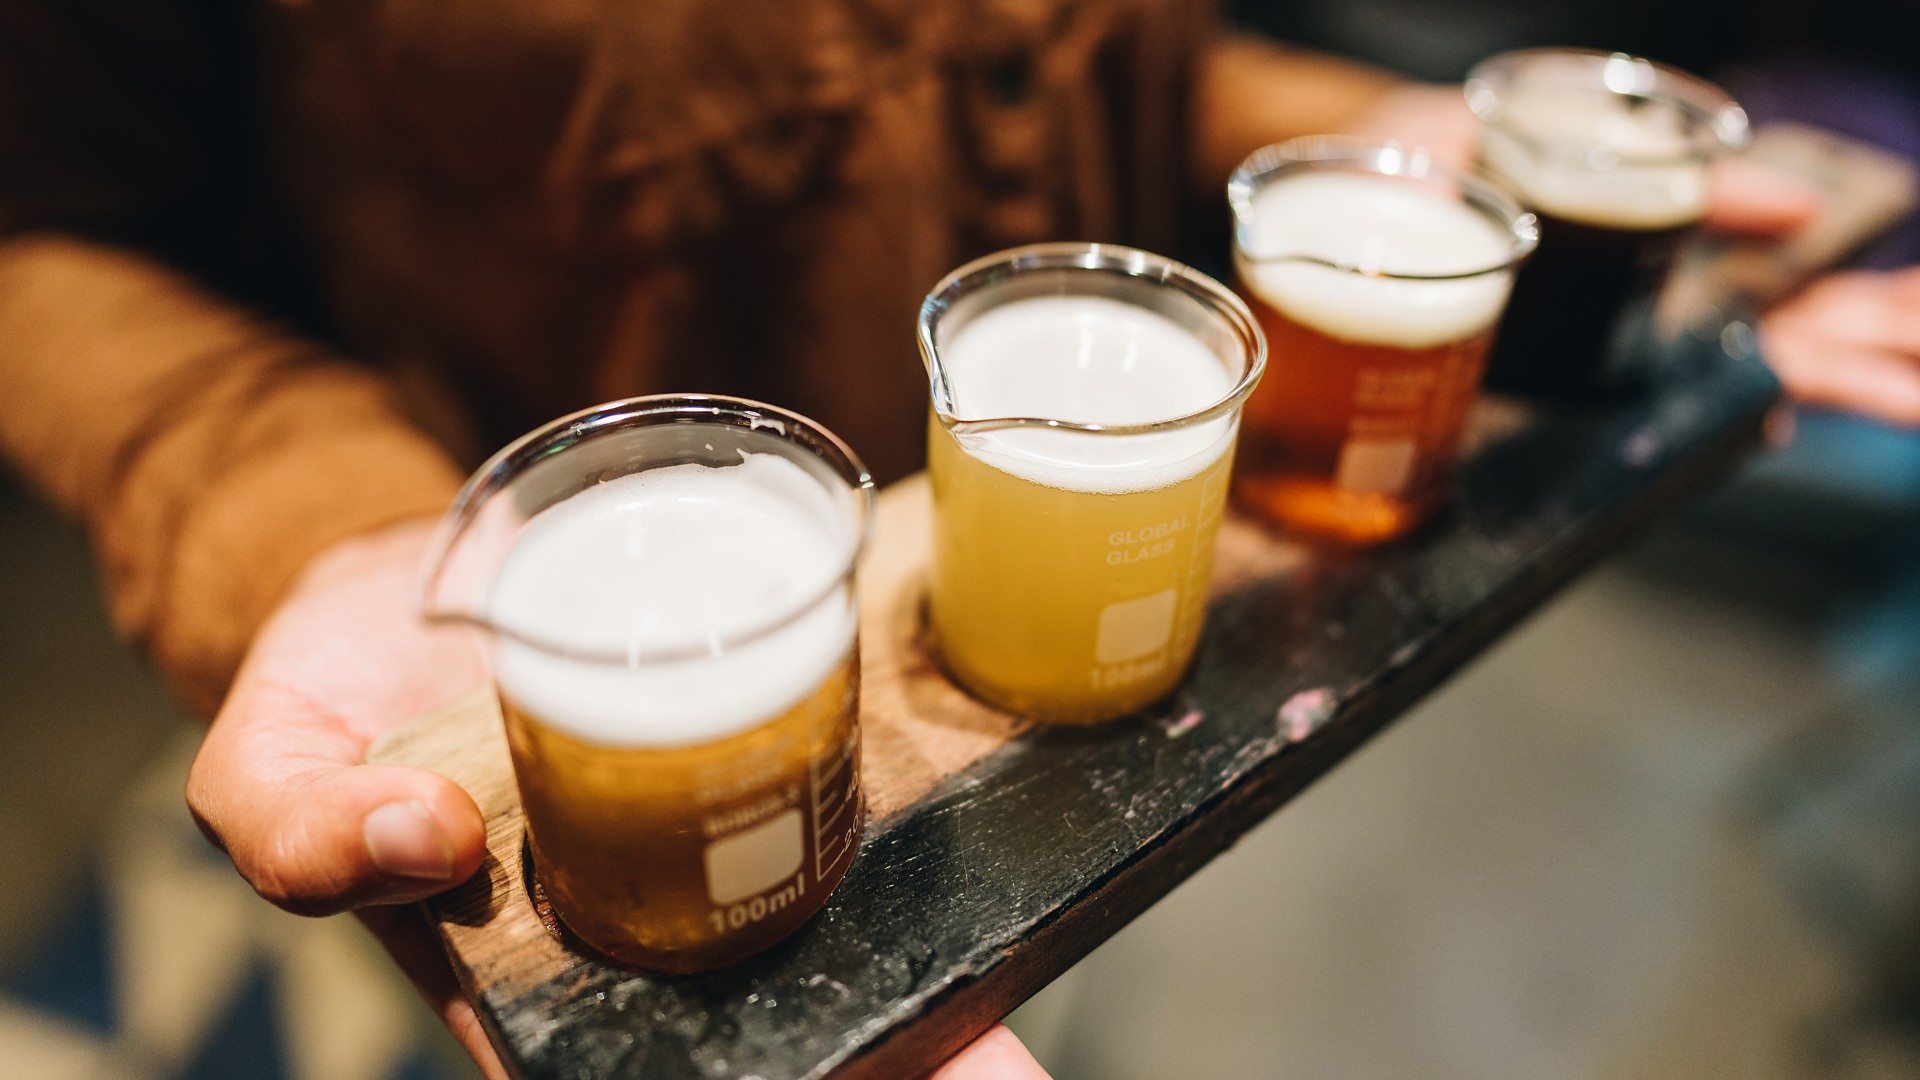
[(1379, 277), (1085, 402), (1611, 152), (668, 587)]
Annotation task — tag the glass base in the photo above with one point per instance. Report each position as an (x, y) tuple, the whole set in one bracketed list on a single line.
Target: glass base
[(603, 938), (1054, 711), (1317, 509)]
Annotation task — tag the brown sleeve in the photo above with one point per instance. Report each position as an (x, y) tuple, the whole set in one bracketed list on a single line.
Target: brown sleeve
[(1254, 91), (210, 452)]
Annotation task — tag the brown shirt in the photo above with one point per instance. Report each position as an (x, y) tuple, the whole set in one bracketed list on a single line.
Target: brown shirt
[(500, 211)]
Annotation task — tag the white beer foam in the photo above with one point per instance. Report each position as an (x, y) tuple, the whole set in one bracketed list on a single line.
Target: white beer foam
[(1378, 225), (1090, 360), (676, 557), (1608, 162)]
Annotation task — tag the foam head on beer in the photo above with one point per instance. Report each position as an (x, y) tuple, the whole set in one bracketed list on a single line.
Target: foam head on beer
[(1377, 227), (1587, 155), (683, 557), (1091, 360)]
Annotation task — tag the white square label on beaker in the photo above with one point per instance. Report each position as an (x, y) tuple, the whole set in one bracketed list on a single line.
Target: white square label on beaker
[(754, 860), (1132, 629), (1375, 466)]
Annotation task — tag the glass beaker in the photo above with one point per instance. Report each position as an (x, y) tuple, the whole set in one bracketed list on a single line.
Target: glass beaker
[(1086, 399), (1612, 153), (667, 586), (1379, 277)]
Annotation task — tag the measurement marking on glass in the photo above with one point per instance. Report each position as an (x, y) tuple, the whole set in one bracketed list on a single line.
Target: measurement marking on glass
[(832, 801), (1209, 512), (754, 859), (735, 916)]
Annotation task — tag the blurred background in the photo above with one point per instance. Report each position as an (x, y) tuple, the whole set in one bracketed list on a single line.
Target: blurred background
[(1670, 827)]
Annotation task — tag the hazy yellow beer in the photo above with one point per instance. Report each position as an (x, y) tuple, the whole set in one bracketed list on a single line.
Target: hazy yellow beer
[(1085, 404), (675, 649)]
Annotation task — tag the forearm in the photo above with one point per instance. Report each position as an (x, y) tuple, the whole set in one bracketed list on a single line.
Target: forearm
[(210, 453), (1254, 91)]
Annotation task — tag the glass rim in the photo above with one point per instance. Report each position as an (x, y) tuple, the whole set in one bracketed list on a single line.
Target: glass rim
[(1704, 103), (556, 436), (1389, 159), (1098, 258)]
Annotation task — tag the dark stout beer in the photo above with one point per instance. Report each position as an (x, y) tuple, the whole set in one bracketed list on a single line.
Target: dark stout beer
[(1557, 341), (1611, 153)]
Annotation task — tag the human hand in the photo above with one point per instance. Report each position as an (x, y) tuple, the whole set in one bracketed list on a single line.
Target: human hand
[(997, 1055), (1430, 116), (280, 782), (1851, 341)]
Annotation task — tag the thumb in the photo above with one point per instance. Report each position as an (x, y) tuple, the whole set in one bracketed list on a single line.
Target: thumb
[(316, 832)]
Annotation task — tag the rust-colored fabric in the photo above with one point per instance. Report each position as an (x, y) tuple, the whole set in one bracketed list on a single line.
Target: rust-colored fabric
[(213, 454), (251, 251)]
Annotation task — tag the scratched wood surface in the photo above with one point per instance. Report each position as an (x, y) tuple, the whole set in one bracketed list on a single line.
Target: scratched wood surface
[(998, 854)]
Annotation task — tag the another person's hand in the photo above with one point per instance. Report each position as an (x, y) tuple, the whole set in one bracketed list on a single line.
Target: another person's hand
[(1851, 341), (280, 782)]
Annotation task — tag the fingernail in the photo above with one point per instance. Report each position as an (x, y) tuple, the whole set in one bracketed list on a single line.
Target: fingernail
[(405, 841)]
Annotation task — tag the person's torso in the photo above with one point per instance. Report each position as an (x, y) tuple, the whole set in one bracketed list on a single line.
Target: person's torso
[(550, 204)]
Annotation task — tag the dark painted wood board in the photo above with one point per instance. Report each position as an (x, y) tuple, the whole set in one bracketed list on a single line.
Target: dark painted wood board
[(999, 854)]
